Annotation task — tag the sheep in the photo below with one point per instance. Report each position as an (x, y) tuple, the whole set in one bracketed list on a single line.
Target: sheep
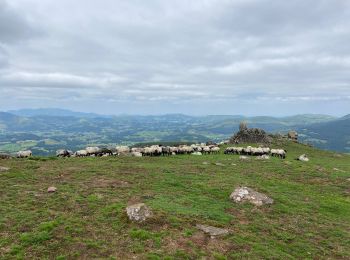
[(153, 150), (137, 150), (278, 153), (105, 152), (93, 151), (205, 149), (215, 149), (174, 150), (24, 154), (63, 153), (166, 150), (81, 153), (5, 156), (122, 150)]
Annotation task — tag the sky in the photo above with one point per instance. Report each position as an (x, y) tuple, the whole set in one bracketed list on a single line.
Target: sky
[(248, 57)]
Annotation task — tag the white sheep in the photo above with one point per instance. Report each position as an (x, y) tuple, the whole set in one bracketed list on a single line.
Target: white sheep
[(24, 154)]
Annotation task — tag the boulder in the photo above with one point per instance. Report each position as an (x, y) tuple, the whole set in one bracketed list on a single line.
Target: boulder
[(138, 212), (242, 194), (212, 231), (303, 158), (51, 189)]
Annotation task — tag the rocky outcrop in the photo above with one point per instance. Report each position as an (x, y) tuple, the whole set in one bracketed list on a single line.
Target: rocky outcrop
[(243, 194), (293, 135), (250, 135)]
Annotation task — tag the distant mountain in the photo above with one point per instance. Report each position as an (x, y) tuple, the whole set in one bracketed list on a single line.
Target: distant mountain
[(332, 135), (46, 130), (53, 112)]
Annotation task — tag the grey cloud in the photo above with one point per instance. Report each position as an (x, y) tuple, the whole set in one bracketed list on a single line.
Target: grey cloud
[(14, 26), (143, 52)]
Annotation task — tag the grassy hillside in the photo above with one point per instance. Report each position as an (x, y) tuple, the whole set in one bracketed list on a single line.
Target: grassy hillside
[(86, 217)]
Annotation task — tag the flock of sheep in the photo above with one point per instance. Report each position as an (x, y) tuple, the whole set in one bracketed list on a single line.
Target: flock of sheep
[(153, 150), (158, 150), (256, 151)]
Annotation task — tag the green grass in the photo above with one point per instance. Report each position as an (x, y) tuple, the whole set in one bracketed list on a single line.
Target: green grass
[(86, 217)]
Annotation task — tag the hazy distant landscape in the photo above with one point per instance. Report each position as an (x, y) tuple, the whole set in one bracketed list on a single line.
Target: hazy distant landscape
[(46, 130)]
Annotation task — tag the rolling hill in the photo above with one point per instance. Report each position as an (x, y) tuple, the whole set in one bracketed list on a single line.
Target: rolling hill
[(44, 131)]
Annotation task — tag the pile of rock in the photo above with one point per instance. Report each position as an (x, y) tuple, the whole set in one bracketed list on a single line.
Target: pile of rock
[(250, 135)]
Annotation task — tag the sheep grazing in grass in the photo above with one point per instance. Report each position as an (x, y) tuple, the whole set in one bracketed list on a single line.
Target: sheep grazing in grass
[(215, 149), (153, 150), (278, 153), (63, 153), (81, 153), (105, 152), (233, 150), (24, 154), (166, 151), (256, 151), (122, 150), (93, 151)]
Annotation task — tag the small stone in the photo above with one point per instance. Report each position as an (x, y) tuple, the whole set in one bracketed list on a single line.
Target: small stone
[(205, 163), (263, 157), (196, 153), (4, 169), (243, 157), (212, 231), (51, 189), (242, 194), (233, 164), (138, 212), (219, 164)]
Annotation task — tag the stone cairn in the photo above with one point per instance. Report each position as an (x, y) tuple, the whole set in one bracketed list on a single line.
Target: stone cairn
[(250, 135)]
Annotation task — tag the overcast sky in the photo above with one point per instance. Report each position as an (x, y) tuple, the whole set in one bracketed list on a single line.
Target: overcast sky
[(250, 57)]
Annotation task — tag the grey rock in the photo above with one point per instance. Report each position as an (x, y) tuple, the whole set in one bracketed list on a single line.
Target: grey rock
[(212, 231), (242, 194), (51, 189), (4, 169), (138, 212), (303, 158)]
